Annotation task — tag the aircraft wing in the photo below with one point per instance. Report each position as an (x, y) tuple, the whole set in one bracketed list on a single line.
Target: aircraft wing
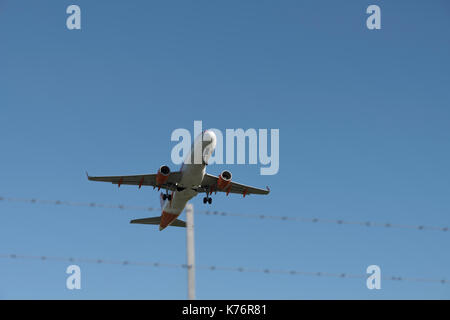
[(209, 183), (141, 180)]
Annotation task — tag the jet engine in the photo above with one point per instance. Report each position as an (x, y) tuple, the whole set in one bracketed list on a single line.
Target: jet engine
[(162, 175), (224, 180)]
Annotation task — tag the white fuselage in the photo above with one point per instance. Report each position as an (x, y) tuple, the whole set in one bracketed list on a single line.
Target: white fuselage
[(193, 170)]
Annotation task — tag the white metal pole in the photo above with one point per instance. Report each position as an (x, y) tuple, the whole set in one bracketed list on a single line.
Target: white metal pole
[(190, 250)]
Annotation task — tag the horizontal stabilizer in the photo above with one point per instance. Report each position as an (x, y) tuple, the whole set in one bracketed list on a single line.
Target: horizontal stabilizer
[(157, 220)]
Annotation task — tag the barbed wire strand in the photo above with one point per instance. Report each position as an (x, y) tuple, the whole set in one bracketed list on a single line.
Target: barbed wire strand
[(266, 271), (228, 214)]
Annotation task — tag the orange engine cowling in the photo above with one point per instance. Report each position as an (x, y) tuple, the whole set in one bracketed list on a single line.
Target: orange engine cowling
[(162, 175), (224, 180)]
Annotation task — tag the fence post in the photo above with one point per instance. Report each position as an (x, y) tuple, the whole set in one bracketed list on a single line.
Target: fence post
[(190, 250)]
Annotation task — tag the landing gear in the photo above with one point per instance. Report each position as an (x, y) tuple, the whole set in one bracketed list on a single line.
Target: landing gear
[(167, 197), (207, 200)]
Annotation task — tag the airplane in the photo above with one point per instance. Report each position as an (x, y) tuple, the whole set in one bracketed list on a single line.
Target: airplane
[(185, 184)]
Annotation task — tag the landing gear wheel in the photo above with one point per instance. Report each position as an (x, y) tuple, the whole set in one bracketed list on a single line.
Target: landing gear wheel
[(209, 200), (205, 200), (164, 196), (169, 197)]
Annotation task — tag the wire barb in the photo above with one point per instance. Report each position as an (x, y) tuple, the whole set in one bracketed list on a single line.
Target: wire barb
[(266, 271), (228, 214)]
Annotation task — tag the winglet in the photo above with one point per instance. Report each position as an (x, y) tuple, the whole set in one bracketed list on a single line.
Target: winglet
[(268, 189), (87, 175)]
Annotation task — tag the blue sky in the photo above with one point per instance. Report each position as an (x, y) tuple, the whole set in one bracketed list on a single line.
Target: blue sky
[(364, 136)]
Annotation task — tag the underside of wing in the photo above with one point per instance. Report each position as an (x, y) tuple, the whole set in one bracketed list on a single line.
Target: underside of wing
[(209, 183), (141, 180)]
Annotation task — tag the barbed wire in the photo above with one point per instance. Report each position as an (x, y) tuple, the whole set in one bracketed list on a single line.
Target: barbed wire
[(228, 214), (266, 271)]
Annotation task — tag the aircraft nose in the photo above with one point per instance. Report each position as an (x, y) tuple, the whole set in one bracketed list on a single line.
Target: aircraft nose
[(209, 135)]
